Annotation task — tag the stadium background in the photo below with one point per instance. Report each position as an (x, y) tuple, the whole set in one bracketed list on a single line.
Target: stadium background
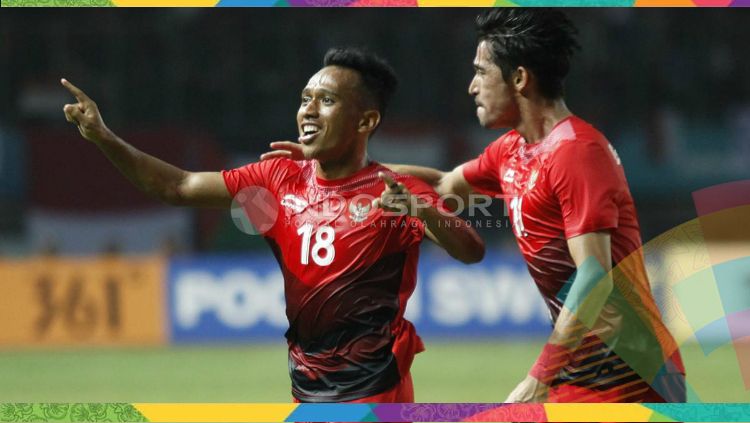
[(106, 295)]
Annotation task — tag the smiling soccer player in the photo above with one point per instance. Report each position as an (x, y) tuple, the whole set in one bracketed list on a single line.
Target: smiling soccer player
[(348, 271)]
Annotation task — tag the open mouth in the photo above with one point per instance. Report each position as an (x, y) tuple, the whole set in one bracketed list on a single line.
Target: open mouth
[(309, 132)]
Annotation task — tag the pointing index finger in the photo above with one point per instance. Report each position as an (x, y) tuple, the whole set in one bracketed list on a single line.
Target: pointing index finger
[(77, 93), (388, 180)]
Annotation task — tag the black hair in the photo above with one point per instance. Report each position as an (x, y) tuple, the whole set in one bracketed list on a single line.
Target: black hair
[(541, 40), (378, 77)]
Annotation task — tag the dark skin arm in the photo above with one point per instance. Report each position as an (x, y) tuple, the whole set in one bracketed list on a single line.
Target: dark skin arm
[(151, 175)]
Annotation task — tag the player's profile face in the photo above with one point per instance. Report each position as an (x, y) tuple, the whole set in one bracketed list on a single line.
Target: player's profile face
[(494, 98), (328, 114)]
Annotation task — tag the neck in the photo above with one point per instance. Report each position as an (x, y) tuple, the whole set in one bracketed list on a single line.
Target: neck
[(337, 169), (539, 116)]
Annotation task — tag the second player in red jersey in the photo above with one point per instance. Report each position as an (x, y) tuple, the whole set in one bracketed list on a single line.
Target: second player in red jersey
[(573, 217), (569, 184)]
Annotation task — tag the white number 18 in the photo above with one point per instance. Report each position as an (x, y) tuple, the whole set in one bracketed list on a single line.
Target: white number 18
[(323, 242)]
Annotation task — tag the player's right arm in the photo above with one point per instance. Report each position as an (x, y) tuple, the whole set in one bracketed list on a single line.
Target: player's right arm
[(444, 183), (153, 176)]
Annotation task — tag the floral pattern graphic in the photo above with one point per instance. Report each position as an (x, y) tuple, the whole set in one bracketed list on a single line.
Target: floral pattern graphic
[(57, 3), (78, 412)]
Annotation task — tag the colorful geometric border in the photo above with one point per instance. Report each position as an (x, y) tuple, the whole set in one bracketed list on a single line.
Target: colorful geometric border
[(424, 412), (417, 412), (376, 3)]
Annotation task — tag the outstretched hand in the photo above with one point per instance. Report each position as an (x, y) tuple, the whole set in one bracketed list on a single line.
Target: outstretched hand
[(84, 114), (284, 149), (395, 197)]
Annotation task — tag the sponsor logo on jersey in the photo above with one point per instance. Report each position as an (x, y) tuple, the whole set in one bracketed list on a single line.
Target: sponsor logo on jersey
[(293, 202)]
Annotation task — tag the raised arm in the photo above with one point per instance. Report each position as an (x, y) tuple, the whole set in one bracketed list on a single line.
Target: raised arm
[(153, 176), (587, 296)]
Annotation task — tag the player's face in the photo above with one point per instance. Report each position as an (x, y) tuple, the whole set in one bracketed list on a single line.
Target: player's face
[(495, 98), (329, 113)]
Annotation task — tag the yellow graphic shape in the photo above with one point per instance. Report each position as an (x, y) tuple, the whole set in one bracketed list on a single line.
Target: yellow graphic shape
[(594, 412), (165, 3), (456, 3), (177, 412), (664, 3)]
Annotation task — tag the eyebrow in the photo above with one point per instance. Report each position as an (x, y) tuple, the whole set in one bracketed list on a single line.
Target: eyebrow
[(323, 90)]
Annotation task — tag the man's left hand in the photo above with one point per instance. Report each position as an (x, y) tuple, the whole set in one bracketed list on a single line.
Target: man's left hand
[(396, 197)]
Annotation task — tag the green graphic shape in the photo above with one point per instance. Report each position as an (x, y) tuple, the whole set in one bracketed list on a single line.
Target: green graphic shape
[(77, 412)]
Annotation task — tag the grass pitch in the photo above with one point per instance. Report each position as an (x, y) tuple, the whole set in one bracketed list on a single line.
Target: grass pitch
[(446, 372)]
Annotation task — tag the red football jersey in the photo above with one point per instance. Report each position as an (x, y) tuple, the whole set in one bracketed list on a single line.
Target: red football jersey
[(569, 184), (348, 273)]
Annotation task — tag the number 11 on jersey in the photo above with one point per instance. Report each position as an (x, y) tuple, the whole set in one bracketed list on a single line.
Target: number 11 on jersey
[(323, 243), (516, 205)]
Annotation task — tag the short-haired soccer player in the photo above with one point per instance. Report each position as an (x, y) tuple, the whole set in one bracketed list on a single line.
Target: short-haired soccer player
[(349, 268)]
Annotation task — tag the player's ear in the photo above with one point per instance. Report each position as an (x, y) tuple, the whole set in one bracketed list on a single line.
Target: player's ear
[(521, 79), (369, 121)]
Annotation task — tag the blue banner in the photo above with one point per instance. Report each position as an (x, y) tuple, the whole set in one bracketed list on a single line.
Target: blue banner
[(241, 298)]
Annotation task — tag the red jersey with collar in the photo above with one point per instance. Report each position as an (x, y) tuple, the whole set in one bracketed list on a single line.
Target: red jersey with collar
[(572, 183), (348, 273)]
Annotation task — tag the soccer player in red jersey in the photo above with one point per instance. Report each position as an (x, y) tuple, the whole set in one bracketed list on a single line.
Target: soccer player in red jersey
[(349, 263), (573, 217)]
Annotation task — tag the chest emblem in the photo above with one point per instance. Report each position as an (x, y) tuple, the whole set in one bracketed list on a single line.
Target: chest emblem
[(358, 211), (509, 175)]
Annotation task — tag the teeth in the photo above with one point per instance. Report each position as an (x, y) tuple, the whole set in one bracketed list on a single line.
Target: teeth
[(309, 128)]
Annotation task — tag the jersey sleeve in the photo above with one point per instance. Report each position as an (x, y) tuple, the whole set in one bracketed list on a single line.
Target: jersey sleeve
[(482, 173), (587, 181), (267, 174)]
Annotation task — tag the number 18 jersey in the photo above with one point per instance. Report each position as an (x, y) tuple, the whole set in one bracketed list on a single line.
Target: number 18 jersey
[(348, 272)]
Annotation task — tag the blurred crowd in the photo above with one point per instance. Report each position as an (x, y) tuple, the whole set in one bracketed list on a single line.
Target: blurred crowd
[(209, 88)]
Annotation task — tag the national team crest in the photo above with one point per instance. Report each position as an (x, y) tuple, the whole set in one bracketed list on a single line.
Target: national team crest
[(358, 211)]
